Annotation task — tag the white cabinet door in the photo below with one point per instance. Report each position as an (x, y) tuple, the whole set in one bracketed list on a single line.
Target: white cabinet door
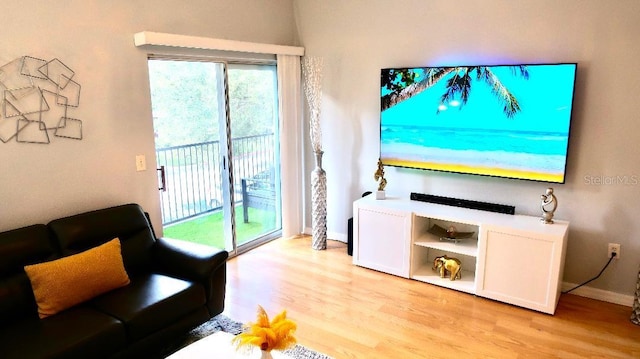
[(382, 240), (522, 268)]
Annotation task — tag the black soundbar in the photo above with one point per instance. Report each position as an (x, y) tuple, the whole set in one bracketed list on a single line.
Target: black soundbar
[(465, 203)]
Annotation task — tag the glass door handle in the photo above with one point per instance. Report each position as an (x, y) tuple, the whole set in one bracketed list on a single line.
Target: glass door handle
[(163, 179)]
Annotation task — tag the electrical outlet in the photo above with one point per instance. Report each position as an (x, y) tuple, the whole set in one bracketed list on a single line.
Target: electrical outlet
[(614, 248)]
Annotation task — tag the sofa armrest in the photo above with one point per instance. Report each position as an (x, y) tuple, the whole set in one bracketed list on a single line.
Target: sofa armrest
[(188, 260), (194, 262)]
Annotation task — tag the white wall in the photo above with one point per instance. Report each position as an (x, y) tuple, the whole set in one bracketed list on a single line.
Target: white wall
[(356, 38), (95, 38), (359, 37)]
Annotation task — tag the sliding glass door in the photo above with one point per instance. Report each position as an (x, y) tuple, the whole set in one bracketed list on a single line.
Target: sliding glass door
[(217, 151)]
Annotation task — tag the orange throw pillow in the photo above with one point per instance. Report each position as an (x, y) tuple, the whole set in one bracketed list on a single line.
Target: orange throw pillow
[(65, 282)]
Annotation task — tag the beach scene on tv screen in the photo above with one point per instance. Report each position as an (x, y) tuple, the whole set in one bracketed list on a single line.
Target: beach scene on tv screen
[(506, 121)]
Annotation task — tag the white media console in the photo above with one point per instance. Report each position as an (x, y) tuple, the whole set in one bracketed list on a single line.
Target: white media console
[(514, 259)]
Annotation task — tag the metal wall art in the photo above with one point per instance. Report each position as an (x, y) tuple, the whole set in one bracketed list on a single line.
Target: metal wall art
[(37, 98)]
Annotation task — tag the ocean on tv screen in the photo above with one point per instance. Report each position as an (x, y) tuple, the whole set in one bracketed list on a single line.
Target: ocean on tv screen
[(489, 120)]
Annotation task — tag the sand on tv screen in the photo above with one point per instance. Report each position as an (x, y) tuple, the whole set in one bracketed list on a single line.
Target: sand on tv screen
[(506, 121)]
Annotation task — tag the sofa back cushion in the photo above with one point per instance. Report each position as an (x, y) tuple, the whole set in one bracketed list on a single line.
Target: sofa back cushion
[(20, 247), (127, 222)]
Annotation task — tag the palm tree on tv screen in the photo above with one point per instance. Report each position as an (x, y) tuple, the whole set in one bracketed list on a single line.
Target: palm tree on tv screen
[(403, 84)]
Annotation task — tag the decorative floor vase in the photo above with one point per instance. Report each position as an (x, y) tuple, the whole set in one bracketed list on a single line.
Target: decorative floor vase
[(319, 205), (635, 312)]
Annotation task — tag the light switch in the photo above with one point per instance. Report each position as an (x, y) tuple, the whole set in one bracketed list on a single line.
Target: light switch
[(141, 163)]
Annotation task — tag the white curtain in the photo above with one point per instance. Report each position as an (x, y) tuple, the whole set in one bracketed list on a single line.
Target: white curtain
[(290, 108)]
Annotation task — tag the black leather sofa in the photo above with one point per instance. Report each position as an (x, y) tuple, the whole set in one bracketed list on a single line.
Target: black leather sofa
[(174, 286)]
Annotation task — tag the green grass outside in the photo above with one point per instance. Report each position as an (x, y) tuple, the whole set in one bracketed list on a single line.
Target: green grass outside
[(209, 229)]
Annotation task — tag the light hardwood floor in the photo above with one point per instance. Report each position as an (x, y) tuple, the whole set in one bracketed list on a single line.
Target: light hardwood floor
[(350, 312)]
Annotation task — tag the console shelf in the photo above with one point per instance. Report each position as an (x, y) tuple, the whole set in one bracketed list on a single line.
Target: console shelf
[(515, 259), (468, 247), (465, 284)]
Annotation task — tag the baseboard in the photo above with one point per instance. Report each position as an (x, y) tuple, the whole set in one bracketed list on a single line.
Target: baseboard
[(599, 294), (336, 236)]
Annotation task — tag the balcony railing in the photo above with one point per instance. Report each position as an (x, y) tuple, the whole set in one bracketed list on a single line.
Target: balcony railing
[(193, 174)]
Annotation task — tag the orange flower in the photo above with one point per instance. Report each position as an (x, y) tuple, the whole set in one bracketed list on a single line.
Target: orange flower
[(268, 335)]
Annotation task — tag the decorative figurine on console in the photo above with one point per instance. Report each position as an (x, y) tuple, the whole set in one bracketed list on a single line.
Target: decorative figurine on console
[(452, 232), (445, 264), (379, 177), (549, 205)]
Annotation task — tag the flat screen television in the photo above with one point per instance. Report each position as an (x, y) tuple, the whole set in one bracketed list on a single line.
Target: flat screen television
[(501, 120)]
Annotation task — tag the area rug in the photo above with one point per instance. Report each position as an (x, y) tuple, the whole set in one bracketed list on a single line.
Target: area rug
[(225, 324)]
